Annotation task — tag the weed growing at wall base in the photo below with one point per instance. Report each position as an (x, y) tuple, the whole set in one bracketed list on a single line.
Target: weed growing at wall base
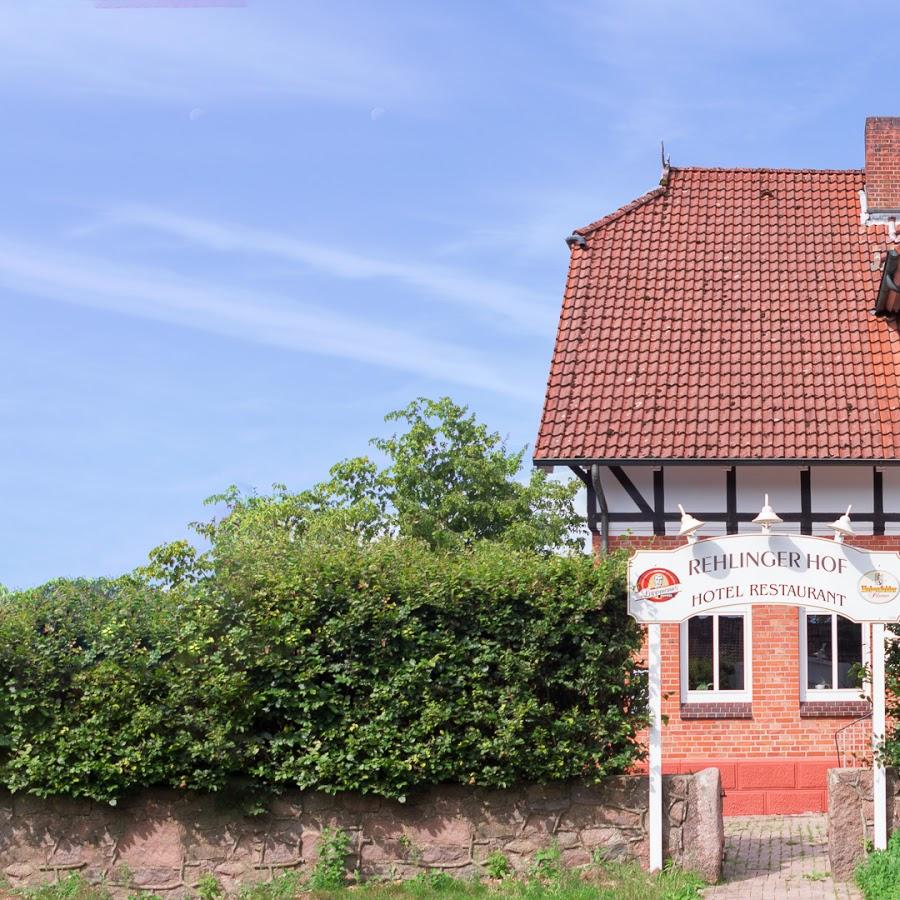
[(497, 865), (331, 865), (610, 881), (878, 876)]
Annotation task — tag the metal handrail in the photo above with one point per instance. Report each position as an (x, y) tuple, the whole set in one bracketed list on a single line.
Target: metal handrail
[(837, 733)]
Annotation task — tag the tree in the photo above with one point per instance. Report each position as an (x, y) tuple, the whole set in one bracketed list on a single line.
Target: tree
[(449, 479), (446, 480)]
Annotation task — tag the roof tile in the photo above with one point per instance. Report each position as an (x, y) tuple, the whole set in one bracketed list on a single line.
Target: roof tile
[(726, 316)]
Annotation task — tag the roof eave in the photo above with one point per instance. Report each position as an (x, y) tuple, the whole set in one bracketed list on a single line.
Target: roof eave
[(546, 462)]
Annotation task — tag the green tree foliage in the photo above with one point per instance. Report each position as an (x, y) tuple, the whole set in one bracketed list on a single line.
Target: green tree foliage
[(446, 480), (890, 749), (449, 478), (336, 665), (397, 626), (111, 684)]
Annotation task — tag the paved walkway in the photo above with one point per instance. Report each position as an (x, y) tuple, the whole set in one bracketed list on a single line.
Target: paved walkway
[(775, 857)]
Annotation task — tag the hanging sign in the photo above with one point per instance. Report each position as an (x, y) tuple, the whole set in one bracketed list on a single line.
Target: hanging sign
[(789, 569)]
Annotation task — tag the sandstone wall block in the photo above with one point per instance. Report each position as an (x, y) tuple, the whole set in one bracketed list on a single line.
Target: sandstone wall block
[(696, 834), (851, 816), (165, 841)]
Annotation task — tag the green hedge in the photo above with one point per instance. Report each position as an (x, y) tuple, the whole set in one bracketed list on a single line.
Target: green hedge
[(377, 668)]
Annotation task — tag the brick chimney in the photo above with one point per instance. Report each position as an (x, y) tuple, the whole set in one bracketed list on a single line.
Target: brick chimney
[(883, 163)]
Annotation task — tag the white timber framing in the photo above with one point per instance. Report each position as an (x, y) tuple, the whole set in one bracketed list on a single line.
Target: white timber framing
[(639, 497)]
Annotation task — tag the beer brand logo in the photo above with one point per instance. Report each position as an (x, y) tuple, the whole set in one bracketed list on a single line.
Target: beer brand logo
[(657, 585), (878, 586)]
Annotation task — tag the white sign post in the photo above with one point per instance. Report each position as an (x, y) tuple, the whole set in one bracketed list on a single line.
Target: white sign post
[(655, 690), (879, 782), (670, 586)]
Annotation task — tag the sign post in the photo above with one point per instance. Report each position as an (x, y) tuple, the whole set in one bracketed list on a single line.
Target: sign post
[(879, 781), (670, 586), (655, 690)]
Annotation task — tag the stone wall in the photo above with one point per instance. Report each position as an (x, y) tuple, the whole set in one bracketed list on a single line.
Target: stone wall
[(164, 841), (850, 816)]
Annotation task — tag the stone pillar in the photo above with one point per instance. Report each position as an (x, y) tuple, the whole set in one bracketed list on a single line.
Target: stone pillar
[(703, 832), (851, 816)]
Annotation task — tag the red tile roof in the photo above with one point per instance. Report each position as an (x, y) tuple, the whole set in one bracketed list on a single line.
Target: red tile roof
[(727, 316)]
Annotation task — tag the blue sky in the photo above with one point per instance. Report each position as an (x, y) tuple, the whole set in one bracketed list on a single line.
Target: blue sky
[(231, 239)]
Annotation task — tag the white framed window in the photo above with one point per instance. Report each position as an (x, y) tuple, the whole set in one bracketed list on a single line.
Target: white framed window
[(831, 650), (715, 654)]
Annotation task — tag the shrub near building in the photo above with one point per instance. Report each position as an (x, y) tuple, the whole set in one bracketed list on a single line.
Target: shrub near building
[(380, 668), (380, 632)]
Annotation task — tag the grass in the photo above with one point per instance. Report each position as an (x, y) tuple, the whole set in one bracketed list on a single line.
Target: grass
[(73, 887), (602, 881), (878, 876)]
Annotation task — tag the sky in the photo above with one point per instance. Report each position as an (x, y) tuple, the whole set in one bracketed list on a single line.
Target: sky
[(234, 235)]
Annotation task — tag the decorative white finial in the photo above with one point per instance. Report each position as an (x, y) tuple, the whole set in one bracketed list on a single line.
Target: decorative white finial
[(767, 517), (689, 525), (842, 527)]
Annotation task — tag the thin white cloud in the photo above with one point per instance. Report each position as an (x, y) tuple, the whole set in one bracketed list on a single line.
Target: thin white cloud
[(519, 307), (634, 35), (666, 69), (209, 54), (261, 318)]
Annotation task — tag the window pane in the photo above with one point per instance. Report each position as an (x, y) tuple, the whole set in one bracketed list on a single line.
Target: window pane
[(849, 652), (818, 652), (700, 653), (731, 653)]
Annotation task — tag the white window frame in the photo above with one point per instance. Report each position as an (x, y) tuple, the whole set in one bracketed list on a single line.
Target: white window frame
[(726, 696), (833, 695)]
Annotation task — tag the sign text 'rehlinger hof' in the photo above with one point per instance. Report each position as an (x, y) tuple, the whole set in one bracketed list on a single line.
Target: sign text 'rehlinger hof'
[(796, 570)]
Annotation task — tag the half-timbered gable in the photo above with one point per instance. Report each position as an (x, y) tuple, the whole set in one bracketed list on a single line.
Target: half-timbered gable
[(730, 334)]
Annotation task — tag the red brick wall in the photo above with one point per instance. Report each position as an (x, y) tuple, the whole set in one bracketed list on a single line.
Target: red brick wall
[(775, 761), (883, 162)]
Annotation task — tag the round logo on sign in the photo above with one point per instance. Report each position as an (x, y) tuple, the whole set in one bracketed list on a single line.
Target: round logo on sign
[(657, 585), (878, 586)]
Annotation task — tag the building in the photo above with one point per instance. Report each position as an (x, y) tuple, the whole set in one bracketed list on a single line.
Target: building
[(734, 332)]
